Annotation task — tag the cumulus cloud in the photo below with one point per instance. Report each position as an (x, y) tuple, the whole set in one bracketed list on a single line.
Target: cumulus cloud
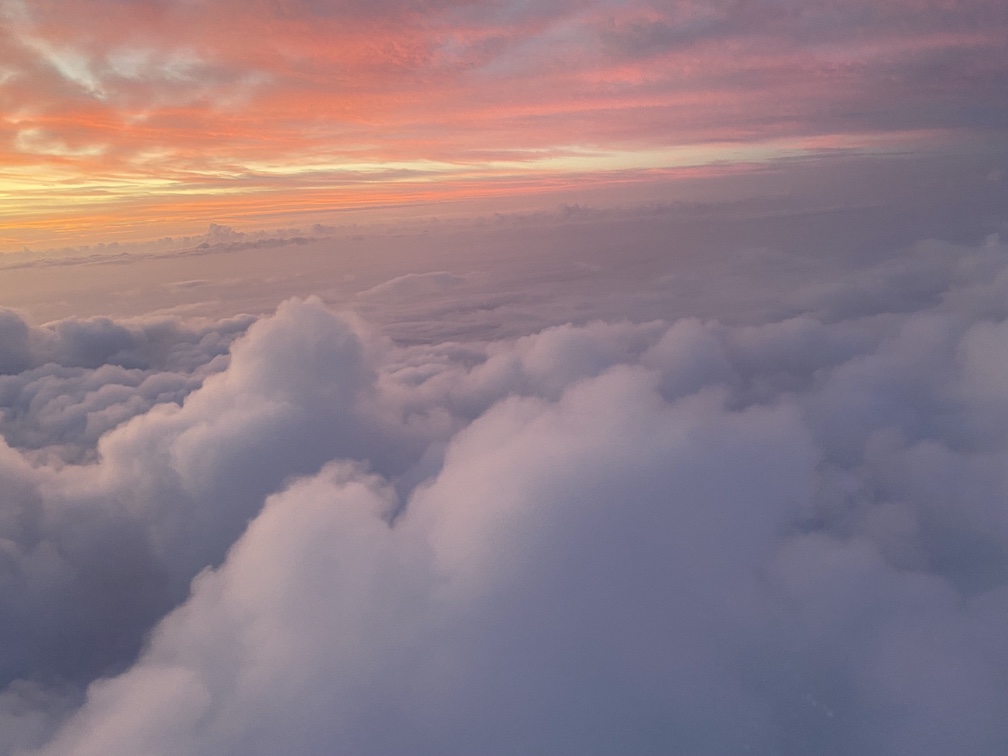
[(168, 488), (63, 386), (684, 535)]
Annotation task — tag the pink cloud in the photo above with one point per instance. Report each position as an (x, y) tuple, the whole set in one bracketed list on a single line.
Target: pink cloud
[(266, 93)]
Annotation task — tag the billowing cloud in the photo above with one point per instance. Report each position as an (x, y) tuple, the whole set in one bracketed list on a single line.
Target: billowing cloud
[(783, 531), (64, 386), (176, 476)]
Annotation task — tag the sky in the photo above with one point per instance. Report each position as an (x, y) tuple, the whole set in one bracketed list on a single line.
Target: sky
[(567, 378), (135, 119)]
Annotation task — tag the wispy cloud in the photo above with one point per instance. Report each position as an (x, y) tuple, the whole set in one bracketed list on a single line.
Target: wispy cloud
[(203, 96)]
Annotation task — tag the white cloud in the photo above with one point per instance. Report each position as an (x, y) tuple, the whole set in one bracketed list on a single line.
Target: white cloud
[(680, 535)]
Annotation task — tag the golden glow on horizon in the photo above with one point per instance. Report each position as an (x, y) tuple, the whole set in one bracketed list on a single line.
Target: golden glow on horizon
[(65, 202)]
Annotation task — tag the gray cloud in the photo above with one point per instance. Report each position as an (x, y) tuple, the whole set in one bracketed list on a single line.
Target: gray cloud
[(63, 386)]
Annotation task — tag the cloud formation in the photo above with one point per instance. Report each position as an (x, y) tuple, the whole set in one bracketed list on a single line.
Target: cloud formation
[(778, 534)]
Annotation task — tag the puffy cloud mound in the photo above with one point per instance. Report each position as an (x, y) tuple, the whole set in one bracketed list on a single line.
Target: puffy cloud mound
[(96, 552), (62, 387), (782, 537)]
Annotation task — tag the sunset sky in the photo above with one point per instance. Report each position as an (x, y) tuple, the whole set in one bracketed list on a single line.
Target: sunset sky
[(482, 378), (131, 119)]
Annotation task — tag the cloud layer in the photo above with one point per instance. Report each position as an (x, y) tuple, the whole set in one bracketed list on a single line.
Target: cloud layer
[(784, 533)]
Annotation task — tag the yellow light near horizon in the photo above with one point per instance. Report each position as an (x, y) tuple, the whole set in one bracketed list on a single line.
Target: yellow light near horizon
[(161, 193)]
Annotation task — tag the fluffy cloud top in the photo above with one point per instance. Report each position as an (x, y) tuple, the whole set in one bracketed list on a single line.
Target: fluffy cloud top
[(291, 535)]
